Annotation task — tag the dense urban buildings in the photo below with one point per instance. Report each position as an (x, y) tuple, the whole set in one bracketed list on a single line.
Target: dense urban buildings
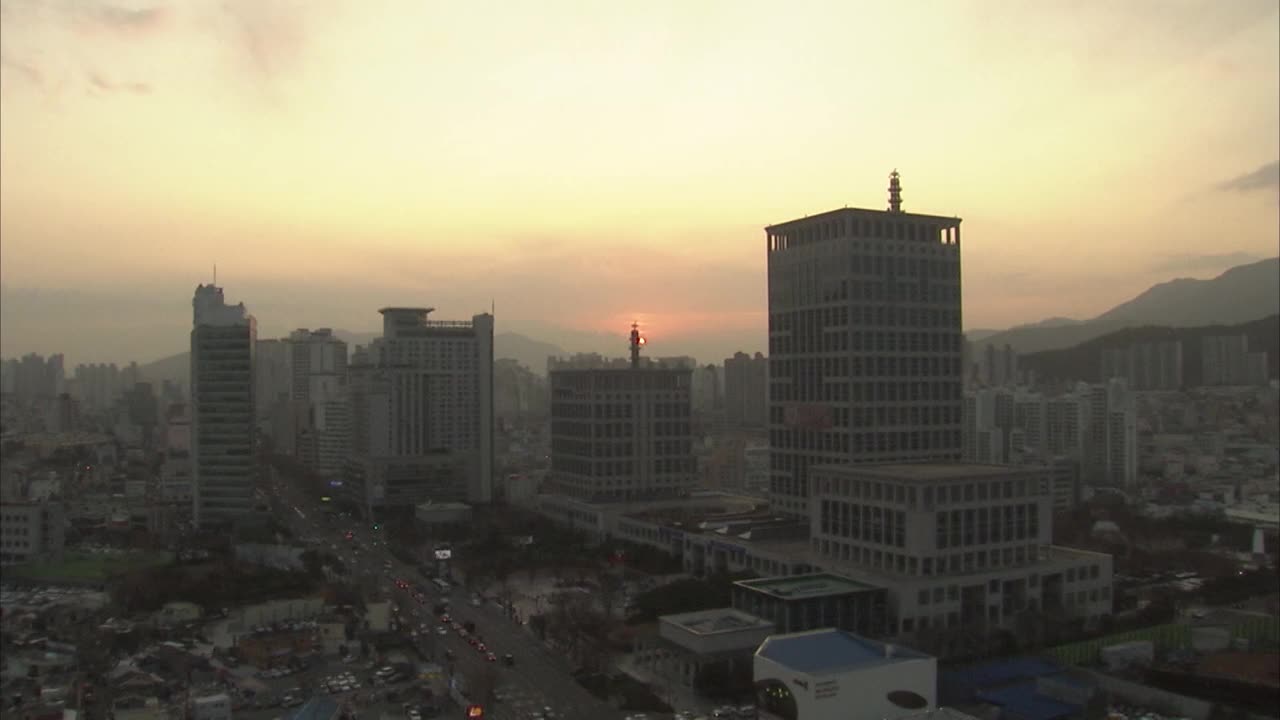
[(223, 428), (1094, 425), (1226, 360), (421, 412), (1146, 366), (864, 342), (621, 429)]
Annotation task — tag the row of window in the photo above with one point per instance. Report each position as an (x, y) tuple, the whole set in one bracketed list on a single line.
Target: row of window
[(937, 444), (980, 526), (824, 340), (882, 416), (865, 227)]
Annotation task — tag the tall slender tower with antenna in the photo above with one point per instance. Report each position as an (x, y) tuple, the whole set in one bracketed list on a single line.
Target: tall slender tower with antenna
[(637, 340)]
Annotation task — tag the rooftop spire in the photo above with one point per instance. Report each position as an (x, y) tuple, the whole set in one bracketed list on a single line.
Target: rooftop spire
[(895, 193)]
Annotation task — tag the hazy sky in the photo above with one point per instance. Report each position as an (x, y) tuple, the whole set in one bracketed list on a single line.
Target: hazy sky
[(584, 163)]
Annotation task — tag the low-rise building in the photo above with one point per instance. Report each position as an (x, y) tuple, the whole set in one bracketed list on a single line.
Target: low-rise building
[(835, 675), (31, 531), (688, 642), (276, 649), (211, 707), (797, 603)]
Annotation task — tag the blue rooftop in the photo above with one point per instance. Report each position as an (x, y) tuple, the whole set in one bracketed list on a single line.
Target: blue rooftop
[(319, 707), (826, 651), (959, 686), (1022, 702)]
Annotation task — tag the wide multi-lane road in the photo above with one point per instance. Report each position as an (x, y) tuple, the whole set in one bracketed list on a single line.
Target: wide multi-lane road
[(538, 678)]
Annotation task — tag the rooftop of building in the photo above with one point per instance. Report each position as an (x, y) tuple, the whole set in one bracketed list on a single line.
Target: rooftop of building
[(803, 587), (839, 212), (926, 472), (822, 652), (717, 621), (1024, 701), (599, 363), (959, 684)]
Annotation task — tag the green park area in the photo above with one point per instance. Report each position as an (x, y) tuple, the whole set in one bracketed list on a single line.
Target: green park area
[(93, 566)]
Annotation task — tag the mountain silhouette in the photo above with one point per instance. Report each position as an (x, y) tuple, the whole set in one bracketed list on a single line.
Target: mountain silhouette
[(1240, 295)]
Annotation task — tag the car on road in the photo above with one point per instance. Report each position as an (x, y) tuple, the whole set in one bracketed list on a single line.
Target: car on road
[(509, 660), (490, 657)]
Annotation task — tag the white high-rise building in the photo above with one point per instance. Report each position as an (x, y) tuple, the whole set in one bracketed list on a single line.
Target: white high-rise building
[(864, 343), (271, 375), (421, 419), (224, 459), (318, 382)]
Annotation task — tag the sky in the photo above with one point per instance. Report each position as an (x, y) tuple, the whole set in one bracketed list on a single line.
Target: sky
[(578, 165)]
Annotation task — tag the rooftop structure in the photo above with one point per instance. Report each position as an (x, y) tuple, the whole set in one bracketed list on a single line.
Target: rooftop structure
[(801, 587), (720, 620), (832, 651)]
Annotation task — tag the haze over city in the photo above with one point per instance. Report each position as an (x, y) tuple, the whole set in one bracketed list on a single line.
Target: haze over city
[(581, 165)]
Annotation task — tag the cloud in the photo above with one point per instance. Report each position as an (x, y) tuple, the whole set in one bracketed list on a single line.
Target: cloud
[(27, 71), (1188, 262), (126, 19), (270, 35), (101, 83), (1265, 177)]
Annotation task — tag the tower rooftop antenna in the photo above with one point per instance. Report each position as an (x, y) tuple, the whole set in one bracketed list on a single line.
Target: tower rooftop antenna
[(895, 192)]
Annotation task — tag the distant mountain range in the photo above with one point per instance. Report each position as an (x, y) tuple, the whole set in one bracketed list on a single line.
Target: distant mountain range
[(527, 351), (1240, 295), (1083, 362)]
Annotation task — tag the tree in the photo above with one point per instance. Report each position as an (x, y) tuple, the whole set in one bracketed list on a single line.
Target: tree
[(610, 587)]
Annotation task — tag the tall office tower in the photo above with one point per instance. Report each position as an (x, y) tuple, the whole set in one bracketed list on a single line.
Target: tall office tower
[(1108, 451), (1066, 420), (707, 395), (1029, 420), (318, 377), (421, 412), (864, 342), (1121, 464), (746, 390), (224, 459), (8, 376), (314, 353), (272, 370), (621, 430), (1009, 358), (56, 384), (988, 424)]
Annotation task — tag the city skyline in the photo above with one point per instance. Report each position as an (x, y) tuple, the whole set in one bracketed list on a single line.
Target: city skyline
[(613, 168)]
